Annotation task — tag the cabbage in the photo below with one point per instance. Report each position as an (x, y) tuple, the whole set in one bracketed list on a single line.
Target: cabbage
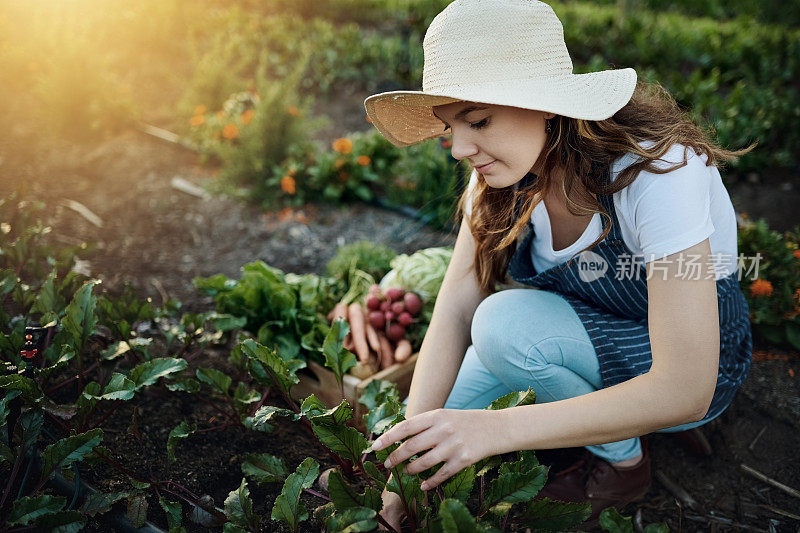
[(421, 272)]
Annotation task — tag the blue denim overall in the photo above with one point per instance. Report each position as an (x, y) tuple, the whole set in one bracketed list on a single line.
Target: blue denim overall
[(614, 313)]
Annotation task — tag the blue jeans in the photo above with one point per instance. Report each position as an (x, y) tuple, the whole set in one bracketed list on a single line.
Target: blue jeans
[(533, 338)]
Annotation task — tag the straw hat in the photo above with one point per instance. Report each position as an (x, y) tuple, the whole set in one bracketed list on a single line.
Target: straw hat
[(504, 52)]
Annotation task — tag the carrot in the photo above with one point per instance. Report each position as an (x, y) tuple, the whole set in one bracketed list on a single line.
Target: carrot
[(403, 351), (358, 329), (372, 337), (387, 352), (339, 310)]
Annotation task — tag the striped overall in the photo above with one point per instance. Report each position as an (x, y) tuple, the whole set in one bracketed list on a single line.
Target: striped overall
[(614, 312)]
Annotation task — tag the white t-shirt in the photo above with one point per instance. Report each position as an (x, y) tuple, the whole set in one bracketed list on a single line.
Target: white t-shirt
[(659, 214)]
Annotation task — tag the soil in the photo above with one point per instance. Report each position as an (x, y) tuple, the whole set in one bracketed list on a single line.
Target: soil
[(158, 238)]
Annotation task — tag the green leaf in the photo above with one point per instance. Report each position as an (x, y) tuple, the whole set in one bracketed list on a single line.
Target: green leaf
[(343, 496), (28, 509), (69, 450), (337, 358), (269, 412), (378, 391), (513, 399), (375, 474), (613, 522), (4, 405), (264, 468), (268, 367), (190, 385), (556, 516), (118, 388), (48, 301), (116, 350), (178, 433), (137, 509), (226, 322), (460, 485), (61, 522), (29, 389), (793, 334), (149, 372), (6, 454), (514, 487), (383, 416), (352, 520), (79, 319), (215, 378), (173, 511), (660, 527), (288, 507), (239, 507), (329, 427), (456, 518), (98, 503)]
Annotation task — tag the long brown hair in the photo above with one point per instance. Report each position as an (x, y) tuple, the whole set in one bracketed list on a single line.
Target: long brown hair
[(583, 152)]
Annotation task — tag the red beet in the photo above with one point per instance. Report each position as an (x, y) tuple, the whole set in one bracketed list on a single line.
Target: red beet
[(373, 303), (377, 320), (385, 306), (413, 303), (389, 316), (394, 294), (404, 319), (396, 332), (398, 307)]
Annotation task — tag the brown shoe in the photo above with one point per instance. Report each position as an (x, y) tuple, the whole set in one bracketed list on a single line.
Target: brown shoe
[(595, 481)]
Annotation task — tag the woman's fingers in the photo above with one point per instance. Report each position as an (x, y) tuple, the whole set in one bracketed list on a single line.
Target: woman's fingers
[(443, 474)]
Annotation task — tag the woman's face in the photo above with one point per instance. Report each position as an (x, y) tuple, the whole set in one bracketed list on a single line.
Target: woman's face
[(509, 139)]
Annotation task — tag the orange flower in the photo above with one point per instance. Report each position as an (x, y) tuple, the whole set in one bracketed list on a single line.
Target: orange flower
[(343, 145), (339, 163), (219, 114), (247, 116), (744, 215), (200, 110), (197, 120), (796, 253), (368, 119), (292, 110), (230, 131), (760, 287), (33, 66), (288, 184), (363, 160)]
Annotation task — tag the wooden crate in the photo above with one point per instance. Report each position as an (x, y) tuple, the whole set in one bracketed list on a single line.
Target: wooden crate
[(324, 386)]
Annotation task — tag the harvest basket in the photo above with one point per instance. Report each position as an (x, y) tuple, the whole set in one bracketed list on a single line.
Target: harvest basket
[(324, 386)]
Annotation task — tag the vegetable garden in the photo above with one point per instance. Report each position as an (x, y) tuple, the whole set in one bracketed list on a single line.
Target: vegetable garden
[(193, 203)]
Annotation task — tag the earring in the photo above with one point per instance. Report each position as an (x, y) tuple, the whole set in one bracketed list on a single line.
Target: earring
[(549, 128)]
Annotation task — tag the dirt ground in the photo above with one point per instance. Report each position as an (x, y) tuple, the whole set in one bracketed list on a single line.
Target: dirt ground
[(158, 238)]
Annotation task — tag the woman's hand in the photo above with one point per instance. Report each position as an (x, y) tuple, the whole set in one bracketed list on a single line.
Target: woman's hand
[(392, 510), (458, 438)]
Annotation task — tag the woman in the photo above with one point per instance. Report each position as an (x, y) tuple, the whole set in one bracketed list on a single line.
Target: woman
[(622, 199)]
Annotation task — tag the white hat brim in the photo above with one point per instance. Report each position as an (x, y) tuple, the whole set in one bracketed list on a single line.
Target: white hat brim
[(405, 117)]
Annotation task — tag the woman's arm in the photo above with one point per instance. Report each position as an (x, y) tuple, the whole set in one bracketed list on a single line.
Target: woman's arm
[(683, 319), (448, 335), (684, 336)]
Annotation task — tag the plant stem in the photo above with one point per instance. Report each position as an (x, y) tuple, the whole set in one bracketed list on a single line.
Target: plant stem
[(70, 380), (13, 476), (193, 495), (216, 428), (261, 401), (317, 494)]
